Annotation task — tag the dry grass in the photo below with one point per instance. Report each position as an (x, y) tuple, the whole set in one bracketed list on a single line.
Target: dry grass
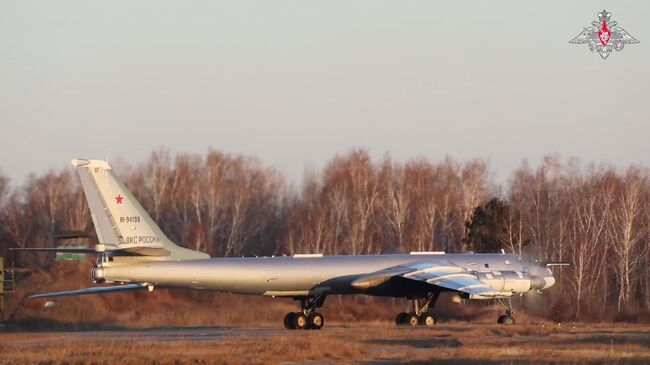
[(227, 351), (458, 343)]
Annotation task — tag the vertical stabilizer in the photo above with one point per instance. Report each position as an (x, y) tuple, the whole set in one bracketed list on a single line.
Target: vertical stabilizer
[(120, 221)]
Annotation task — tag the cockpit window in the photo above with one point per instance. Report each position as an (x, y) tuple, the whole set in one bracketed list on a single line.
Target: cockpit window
[(487, 265)]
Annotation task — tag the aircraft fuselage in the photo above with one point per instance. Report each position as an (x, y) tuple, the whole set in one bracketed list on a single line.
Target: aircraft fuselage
[(301, 276)]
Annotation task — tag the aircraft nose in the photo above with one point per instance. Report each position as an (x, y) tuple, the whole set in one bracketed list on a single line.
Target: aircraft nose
[(550, 281)]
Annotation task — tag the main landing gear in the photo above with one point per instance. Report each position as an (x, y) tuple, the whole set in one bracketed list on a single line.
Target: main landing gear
[(420, 315), (307, 318), (508, 317)]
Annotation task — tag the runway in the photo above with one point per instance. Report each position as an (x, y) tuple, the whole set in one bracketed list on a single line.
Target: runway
[(362, 343), (170, 334)]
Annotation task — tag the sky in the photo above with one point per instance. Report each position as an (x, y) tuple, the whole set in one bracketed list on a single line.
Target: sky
[(296, 82)]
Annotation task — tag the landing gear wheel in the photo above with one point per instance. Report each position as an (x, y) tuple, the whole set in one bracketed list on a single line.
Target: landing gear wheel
[(412, 319), (300, 321), (422, 312), (315, 321), (428, 320), (506, 319), (290, 320), (400, 320)]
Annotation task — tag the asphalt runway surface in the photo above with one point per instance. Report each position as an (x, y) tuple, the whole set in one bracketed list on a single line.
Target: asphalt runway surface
[(171, 334)]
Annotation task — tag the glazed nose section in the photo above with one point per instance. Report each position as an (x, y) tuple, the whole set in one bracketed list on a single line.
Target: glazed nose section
[(550, 281), (542, 277)]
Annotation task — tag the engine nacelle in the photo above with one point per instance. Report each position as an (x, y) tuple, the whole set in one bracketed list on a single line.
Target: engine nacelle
[(503, 295), (512, 281)]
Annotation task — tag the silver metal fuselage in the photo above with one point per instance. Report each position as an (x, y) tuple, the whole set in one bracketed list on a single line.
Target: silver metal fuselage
[(291, 276)]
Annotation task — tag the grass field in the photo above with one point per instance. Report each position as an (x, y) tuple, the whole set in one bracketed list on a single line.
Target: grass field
[(362, 343)]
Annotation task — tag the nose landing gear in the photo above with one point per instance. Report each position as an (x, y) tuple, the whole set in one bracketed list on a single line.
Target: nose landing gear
[(307, 318), (507, 318)]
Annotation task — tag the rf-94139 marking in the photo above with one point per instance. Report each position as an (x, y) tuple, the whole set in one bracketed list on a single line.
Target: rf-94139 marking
[(135, 219), (150, 259)]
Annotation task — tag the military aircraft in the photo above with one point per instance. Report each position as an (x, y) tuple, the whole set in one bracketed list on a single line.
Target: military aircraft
[(135, 254)]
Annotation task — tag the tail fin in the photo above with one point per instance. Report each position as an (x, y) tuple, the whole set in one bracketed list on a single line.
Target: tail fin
[(120, 221)]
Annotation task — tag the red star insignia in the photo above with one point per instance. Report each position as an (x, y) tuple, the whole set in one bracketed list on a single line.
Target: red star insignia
[(118, 199)]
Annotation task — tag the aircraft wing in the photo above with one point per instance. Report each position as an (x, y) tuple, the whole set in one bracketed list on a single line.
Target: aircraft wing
[(442, 274), (95, 290)]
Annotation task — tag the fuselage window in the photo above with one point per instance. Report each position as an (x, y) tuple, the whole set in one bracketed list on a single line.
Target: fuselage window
[(487, 265)]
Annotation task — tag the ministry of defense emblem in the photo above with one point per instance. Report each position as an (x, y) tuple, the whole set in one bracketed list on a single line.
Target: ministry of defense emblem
[(604, 36)]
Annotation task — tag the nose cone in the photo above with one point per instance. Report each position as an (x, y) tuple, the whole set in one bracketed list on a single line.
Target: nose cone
[(550, 281), (542, 277)]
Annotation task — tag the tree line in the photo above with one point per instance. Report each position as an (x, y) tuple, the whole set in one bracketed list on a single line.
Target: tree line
[(592, 215)]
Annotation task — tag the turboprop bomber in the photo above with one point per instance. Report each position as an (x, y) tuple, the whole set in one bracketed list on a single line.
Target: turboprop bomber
[(135, 254)]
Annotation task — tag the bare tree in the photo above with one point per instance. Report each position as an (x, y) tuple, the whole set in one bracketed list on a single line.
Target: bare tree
[(395, 204), (422, 221), (307, 219), (626, 229), (161, 174), (591, 201)]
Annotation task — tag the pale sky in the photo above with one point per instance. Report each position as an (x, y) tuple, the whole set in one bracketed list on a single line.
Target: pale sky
[(296, 82)]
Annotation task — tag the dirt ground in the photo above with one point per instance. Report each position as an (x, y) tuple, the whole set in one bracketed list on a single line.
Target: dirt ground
[(377, 343)]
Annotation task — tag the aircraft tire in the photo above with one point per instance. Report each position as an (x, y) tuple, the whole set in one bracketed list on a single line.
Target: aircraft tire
[(300, 321), (428, 319), (289, 321), (400, 320), (315, 321), (506, 319), (412, 319)]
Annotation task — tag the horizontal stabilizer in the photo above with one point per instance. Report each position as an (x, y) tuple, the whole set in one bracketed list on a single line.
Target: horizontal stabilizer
[(145, 251), (141, 251), (55, 249), (95, 290)]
